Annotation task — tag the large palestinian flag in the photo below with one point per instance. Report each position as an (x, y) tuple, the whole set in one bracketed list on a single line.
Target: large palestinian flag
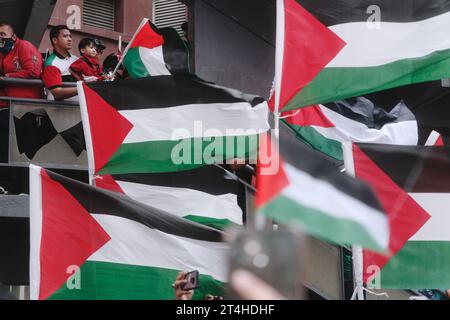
[(155, 52), (413, 184), (308, 192), (121, 248), (326, 128), (387, 44), (167, 123), (203, 195)]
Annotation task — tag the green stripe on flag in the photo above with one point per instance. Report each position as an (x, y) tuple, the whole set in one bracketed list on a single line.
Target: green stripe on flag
[(220, 224), (134, 65), (112, 281), (418, 265), (319, 142), (334, 84), (319, 224), (156, 156)]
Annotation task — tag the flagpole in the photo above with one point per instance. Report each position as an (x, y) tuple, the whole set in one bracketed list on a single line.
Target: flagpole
[(279, 53), (357, 251), (144, 21)]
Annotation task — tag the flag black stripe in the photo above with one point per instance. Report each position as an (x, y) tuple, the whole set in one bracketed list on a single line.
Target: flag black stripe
[(299, 156), (166, 92), (208, 179), (415, 169), (98, 201), (334, 12)]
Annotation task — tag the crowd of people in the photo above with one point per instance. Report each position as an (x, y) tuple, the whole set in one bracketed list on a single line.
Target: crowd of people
[(19, 59)]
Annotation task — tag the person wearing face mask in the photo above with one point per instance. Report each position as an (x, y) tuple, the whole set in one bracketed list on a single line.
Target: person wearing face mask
[(18, 59)]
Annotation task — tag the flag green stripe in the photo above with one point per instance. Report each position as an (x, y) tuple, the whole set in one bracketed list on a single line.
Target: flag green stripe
[(220, 224), (419, 265), (155, 156), (319, 142), (319, 224), (134, 65), (339, 83), (112, 281)]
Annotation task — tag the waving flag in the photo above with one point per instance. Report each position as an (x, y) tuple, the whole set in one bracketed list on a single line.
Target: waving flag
[(202, 195), (310, 193), (168, 123), (93, 244), (413, 185), (388, 44), (326, 128), (155, 52)]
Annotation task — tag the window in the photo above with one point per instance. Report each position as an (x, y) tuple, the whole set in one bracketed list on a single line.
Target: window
[(99, 13), (169, 13)]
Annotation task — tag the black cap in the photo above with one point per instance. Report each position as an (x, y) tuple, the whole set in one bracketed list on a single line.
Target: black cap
[(99, 44)]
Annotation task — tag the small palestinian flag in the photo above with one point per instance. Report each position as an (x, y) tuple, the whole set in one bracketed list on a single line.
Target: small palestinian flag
[(325, 128), (93, 244), (387, 44), (308, 192), (168, 123), (202, 195), (155, 52), (413, 184)]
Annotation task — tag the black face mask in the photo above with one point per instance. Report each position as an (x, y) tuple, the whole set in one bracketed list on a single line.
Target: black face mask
[(6, 45)]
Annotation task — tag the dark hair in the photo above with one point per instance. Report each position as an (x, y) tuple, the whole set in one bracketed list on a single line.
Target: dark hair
[(86, 42), (2, 24), (54, 32)]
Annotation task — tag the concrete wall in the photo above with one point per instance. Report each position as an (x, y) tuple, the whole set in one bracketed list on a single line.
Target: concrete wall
[(234, 43)]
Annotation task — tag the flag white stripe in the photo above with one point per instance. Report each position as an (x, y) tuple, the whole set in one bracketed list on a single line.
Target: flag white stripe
[(135, 244), (437, 227), (196, 121), (322, 196), (347, 130), (182, 201), (35, 231), (391, 42), (153, 60)]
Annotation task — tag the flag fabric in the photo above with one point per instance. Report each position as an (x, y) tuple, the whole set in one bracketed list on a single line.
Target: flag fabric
[(413, 185), (326, 128), (387, 44), (155, 52), (295, 28), (310, 193), (202, 195), (168, 123), (88, 243)]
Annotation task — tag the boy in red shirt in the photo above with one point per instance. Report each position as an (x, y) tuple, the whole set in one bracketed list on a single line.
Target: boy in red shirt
[(88, 68)]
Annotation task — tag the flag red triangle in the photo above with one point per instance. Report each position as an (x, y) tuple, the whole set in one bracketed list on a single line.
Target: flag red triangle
[(108, 128), (70, 235), (107, 182), (310, 116), (406, 216), (271, 177), (147, 38), (308, 47)]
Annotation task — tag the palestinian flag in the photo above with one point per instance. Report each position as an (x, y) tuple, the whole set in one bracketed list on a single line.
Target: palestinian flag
[(308, 192), (325, 128), (388, 44), (155, 52), (202, 195), (167, 123), (413, 184), (93, 244)]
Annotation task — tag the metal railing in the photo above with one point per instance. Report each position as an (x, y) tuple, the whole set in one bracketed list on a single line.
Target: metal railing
[(31, 82)]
